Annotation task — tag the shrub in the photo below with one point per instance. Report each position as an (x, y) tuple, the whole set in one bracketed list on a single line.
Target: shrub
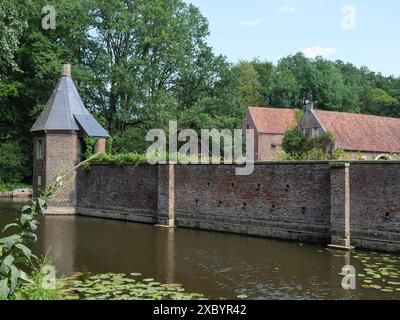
[(298, 147), (294, 142), (109, 145), (90, 143)]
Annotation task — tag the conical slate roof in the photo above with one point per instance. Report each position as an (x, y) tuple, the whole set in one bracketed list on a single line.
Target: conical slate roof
[(65, 111)]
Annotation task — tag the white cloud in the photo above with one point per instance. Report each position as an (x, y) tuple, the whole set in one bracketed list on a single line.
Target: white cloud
[(319, 52), (287, 8), (250, 23)]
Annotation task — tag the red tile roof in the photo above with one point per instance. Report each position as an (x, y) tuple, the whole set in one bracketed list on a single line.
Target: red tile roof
[(273, 120), (359, 132)]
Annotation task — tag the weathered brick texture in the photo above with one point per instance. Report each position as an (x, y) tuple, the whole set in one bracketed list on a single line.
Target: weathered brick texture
[(101, 145), (61, 153), (375, 204), (126, 193), (306, 201), (166, 195), (340, 204), (281, 200)]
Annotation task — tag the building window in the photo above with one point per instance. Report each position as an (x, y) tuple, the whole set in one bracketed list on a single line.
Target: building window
[(315, 132), (40, 149), (248, 126)]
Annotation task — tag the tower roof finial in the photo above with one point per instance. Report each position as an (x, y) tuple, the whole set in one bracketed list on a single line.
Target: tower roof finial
[(66, 70)]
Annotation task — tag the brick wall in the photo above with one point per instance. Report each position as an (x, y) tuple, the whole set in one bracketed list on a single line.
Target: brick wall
[(375, 204), (266, 152), (62, 153), (101, 145), (305, 201), (287, 200), (126, 193)]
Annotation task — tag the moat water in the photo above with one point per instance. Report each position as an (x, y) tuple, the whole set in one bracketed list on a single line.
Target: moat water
[(215, 264)]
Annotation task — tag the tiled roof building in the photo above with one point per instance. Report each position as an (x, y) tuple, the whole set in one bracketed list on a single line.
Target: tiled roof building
[(270, 125), (365, 135), (359, 135)]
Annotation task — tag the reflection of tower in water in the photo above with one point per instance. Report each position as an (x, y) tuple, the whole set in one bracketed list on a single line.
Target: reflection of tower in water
[(57, 237)]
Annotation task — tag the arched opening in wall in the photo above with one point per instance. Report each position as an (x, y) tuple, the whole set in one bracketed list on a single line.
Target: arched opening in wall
[(383, 157)]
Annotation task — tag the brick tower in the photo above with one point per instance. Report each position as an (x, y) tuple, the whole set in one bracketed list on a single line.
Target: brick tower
[(58, 141)]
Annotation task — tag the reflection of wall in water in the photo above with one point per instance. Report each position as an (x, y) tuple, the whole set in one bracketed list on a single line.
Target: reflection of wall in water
[(165, 253)]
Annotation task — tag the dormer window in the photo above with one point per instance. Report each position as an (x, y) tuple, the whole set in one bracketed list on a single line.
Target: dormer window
[(40, 149)]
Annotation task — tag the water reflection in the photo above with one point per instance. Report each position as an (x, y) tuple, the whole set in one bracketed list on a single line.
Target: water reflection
[(215, 264), (57, 236)]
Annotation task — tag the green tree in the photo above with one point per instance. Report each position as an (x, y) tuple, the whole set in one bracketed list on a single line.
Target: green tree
[(265, 71), (249, 85), (379, 102), (12, 25), (12, 162)]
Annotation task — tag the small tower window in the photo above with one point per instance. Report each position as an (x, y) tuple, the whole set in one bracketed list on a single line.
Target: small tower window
[(40, 149)]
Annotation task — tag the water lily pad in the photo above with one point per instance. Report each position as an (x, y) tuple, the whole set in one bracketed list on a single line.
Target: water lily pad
[(135, 274), (376, 287)]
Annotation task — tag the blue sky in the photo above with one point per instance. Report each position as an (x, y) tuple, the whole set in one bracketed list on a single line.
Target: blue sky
[(364, 32)]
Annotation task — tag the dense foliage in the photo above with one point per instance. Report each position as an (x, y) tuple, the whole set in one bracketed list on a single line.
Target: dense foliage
[(139, 64), (298, 147)]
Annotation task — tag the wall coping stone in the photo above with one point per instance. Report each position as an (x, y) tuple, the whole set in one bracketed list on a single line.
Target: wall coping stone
[(331, 163)]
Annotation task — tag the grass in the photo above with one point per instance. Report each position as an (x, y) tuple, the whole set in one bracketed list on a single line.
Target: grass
[(12, 186)]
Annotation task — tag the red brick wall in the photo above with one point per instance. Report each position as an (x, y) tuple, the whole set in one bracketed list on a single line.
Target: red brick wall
[(61, 154), (101, 145), (280, 200), (126, 189), (375, 202), (265, 150), (249, 124), (281, 197)]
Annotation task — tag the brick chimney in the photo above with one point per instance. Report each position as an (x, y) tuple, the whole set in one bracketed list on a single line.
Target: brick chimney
[(309, 106)]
